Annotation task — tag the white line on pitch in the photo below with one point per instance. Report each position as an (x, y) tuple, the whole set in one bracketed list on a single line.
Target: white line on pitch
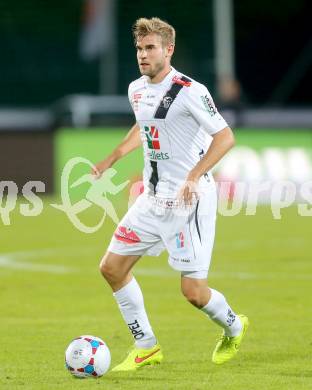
[(9, 262), (16, 260), (224, 275)]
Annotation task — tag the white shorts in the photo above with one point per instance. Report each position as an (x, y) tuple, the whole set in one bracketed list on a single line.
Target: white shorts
[(187, 232)]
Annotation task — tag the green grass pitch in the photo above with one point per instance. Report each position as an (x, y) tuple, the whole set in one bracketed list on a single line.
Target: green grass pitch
[(51, 291)]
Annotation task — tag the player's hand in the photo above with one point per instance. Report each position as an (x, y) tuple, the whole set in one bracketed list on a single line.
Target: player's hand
[(100, 167), (189, 191)]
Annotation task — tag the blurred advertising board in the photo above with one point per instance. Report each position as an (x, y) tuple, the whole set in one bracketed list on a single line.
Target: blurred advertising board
[(272, 159)]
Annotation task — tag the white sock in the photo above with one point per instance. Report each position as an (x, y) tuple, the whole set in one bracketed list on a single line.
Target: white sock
[(220, 312), (131, 304)]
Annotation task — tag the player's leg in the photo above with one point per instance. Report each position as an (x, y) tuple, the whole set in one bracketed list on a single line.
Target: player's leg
[(211, 302), (189, 240), (116, 269), (134, 236), (214, 304)]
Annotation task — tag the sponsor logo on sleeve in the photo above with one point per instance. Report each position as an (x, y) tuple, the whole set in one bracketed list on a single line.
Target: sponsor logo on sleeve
[(209, 105)]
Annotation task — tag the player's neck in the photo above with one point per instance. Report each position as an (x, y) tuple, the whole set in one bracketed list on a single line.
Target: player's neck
[(161, 75)]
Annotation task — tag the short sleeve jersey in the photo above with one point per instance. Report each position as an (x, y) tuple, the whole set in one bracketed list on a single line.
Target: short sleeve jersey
[(177, 118)]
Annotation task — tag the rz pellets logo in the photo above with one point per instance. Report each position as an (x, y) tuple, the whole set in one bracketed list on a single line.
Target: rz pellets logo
[(152, 136)]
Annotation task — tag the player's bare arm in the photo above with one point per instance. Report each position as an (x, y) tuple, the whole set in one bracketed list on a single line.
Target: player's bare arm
[(131, 142), (222, 142)]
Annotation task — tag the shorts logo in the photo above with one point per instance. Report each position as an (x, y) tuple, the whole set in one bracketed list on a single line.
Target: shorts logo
[(126, 235), (180, 260), (180, 240), (152, 137)]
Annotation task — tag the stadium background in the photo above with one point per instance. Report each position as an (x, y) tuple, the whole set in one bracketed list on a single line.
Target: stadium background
[(62, 95), (41, 61)]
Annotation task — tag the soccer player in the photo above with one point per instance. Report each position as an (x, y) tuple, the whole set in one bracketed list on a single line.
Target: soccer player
[(183, 137)]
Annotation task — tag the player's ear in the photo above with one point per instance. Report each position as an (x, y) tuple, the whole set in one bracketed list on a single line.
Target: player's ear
[(170, 50)]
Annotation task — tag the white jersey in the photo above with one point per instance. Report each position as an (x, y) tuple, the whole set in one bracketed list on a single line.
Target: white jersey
[(176, 118)]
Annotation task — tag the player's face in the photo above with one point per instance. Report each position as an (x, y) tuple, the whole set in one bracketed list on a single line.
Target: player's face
[(152, 56)]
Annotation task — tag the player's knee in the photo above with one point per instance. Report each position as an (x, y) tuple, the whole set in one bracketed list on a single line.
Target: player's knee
[(107, 270)]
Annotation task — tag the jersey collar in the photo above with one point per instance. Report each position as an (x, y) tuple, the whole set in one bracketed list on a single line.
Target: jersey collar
[(166, 80)]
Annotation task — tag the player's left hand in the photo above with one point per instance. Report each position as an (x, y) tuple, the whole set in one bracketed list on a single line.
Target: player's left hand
[(189, 192)]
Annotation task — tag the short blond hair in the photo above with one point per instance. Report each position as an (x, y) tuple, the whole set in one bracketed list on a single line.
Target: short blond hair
[(144, 26)]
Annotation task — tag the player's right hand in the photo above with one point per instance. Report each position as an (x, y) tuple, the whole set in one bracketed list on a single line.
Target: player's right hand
[(99, 168)]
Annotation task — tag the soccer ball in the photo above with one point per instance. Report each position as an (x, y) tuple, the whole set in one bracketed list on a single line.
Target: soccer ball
[(87, 356)]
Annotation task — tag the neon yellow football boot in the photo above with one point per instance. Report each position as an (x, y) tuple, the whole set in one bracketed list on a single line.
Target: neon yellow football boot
[(227, 347), (138, 358)]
